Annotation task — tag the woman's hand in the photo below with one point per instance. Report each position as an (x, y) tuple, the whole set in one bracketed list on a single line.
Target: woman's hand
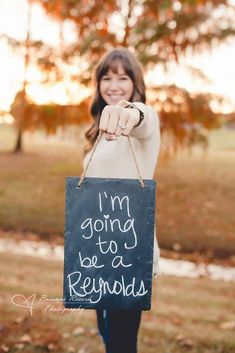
[(116, 121)]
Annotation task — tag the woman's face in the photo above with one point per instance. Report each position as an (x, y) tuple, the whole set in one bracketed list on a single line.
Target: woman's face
[(116, 86)]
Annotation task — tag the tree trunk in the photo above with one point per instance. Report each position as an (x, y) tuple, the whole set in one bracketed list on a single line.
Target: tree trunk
[(18, 146)]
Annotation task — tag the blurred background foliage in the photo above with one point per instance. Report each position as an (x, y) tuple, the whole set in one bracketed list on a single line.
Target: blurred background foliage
[(158, 32)]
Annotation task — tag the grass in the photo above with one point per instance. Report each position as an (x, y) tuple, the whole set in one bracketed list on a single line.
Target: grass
[(186, 314), (32, 185), (195, 196), (196, 203)]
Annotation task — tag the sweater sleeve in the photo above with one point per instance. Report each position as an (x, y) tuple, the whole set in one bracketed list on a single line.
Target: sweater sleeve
[(150, 124)]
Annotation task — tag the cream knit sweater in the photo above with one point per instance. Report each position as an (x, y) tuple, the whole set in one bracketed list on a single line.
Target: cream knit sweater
[(113, 159)]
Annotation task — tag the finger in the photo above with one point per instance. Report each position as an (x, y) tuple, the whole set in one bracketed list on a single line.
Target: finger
[(121, 126), (110, 137), (128, 128), (113, 119), (104, 119)]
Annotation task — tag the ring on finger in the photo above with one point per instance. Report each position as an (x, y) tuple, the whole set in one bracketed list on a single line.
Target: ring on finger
[(121, 126)]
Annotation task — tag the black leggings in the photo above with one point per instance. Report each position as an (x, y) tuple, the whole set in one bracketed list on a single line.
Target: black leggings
[(119, 329)]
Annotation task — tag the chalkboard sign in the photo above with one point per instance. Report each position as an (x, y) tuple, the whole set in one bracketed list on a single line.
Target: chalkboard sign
[(108, 254)]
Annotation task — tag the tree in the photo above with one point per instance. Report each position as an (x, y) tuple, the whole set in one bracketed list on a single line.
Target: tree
[(34, 52), (158, 32), (47, 116)]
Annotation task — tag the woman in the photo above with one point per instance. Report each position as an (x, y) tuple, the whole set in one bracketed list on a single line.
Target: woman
[(119, 82)]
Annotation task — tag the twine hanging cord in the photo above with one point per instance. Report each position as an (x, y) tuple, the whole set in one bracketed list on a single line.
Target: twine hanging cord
[(93, 151)]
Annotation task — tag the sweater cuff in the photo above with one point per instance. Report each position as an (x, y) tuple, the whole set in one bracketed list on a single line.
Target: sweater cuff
[(149, 123)]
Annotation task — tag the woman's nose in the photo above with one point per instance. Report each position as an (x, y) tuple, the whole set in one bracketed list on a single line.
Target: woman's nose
[(113, 85)]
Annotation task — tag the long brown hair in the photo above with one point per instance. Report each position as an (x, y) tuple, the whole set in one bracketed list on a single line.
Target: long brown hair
[(132, 68)]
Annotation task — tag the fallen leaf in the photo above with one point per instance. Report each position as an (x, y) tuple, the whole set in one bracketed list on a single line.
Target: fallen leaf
[(83, 350), (228, 325), (78, 331), (92, 331), (177, 321), (19, 345), (176, 246), (183, 341), (186, 343), (51, 346), (209, 204), (71, 349), (53, 337), (179, 337), (19, 319), (25, 339), (4, 348)]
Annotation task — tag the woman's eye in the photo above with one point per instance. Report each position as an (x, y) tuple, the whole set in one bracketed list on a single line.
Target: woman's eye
[(123, 78), (105, 78)]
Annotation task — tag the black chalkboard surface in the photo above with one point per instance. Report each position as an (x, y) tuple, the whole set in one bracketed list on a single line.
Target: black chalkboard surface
[(108, 253)]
